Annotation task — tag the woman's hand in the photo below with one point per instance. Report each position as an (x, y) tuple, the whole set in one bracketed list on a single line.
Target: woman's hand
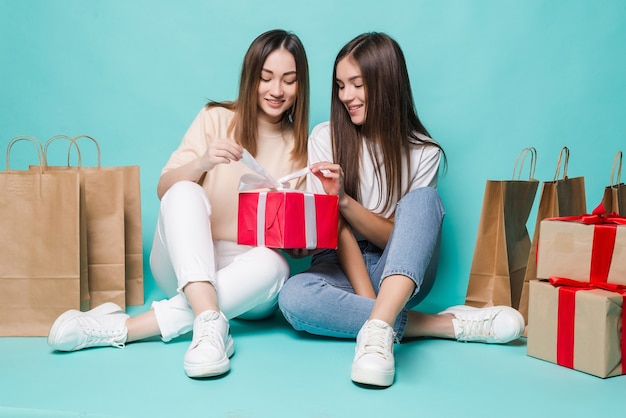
[(331, 177), (368, 224), (299, 252), (221, 151)]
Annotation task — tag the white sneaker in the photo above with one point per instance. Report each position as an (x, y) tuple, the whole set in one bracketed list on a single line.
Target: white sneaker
[(374, 363), (211, 346), (494, 324), (74, 330)]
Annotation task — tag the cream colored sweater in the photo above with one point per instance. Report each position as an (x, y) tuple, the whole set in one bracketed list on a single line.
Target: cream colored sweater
[(273, 153)]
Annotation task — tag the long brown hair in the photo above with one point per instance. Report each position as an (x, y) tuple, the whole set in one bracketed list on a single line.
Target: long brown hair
[(391, 121), (244, 124)]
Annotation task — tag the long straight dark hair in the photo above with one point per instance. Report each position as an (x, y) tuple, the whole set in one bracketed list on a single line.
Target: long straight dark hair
[(391, 122), (244, 125)]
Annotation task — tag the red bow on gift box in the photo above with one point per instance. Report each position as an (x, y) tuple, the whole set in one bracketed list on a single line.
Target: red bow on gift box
[(598, 216)]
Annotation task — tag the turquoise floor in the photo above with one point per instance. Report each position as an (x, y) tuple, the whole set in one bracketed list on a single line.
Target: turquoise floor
[(277, 372)]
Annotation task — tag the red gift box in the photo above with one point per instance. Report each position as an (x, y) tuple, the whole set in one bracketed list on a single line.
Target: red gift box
[(287, 219)]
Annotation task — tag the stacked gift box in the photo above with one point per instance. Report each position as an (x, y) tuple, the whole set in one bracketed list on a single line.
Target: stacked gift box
[(575, 308)]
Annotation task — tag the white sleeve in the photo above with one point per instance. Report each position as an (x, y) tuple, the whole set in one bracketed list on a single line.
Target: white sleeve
[(425, 167), (319, 149)]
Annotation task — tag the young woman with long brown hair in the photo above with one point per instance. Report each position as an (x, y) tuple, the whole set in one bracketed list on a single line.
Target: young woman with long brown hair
[(378, 157), (195, 259)]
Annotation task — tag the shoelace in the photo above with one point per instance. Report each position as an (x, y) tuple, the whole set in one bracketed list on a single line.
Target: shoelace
[(207, 332), (473, 328), (101, 334), (376, 341)]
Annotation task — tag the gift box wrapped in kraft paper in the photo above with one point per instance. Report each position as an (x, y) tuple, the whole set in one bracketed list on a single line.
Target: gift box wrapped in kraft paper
[(589, 248), (578, 325), (270, 214)]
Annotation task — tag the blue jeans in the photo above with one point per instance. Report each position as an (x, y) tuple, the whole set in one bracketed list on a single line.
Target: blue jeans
[(321, 300)]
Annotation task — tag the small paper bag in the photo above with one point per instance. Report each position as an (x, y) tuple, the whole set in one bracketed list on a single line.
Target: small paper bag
[(614, 198), (560, 197), (40, 249), (503, 242), (103, 193), (133, 239)]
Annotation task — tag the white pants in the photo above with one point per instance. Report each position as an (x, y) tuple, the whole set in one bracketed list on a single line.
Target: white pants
[(247, 279)]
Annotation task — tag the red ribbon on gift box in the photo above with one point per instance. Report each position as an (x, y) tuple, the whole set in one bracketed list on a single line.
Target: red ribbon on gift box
[(604, 233), (566, 316)]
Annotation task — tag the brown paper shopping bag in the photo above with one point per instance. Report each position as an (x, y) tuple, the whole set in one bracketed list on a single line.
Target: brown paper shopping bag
[(503, 242), (560, 197), (133, 236), (133, 239), (614, 198), (84, 263), (103, 194), (40, 246)]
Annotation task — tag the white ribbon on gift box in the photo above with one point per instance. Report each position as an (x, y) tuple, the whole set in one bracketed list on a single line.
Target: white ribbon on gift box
[(263, 180)]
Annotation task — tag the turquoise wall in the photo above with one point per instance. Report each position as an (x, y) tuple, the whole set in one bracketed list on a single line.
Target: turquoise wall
[(489, 78)]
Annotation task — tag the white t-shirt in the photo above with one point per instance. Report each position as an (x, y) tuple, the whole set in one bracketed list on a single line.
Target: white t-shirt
[(424, 168), (274, 146)]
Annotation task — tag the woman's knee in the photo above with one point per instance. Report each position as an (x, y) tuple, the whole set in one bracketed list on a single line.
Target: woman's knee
[(422, 194), (274, 264), (181, 189), (424, 200), (290, 296), (186, 193), (286, 294)]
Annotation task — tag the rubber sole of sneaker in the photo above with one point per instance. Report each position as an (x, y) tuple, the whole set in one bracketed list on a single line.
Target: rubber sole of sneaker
[(371, 377), (213, 369), (104, 309)]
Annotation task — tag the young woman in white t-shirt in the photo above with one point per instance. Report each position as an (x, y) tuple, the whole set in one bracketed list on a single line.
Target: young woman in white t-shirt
[(376, 155), (195, 259)]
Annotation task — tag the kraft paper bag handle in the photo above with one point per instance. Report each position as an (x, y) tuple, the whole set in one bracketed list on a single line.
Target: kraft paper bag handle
[(72, 143), (92, 139), (521, 159), (563, 156), (32, 140), (617, 164)]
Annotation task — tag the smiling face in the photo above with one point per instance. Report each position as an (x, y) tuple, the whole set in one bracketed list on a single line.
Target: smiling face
[(351, 90), (278, 86)]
